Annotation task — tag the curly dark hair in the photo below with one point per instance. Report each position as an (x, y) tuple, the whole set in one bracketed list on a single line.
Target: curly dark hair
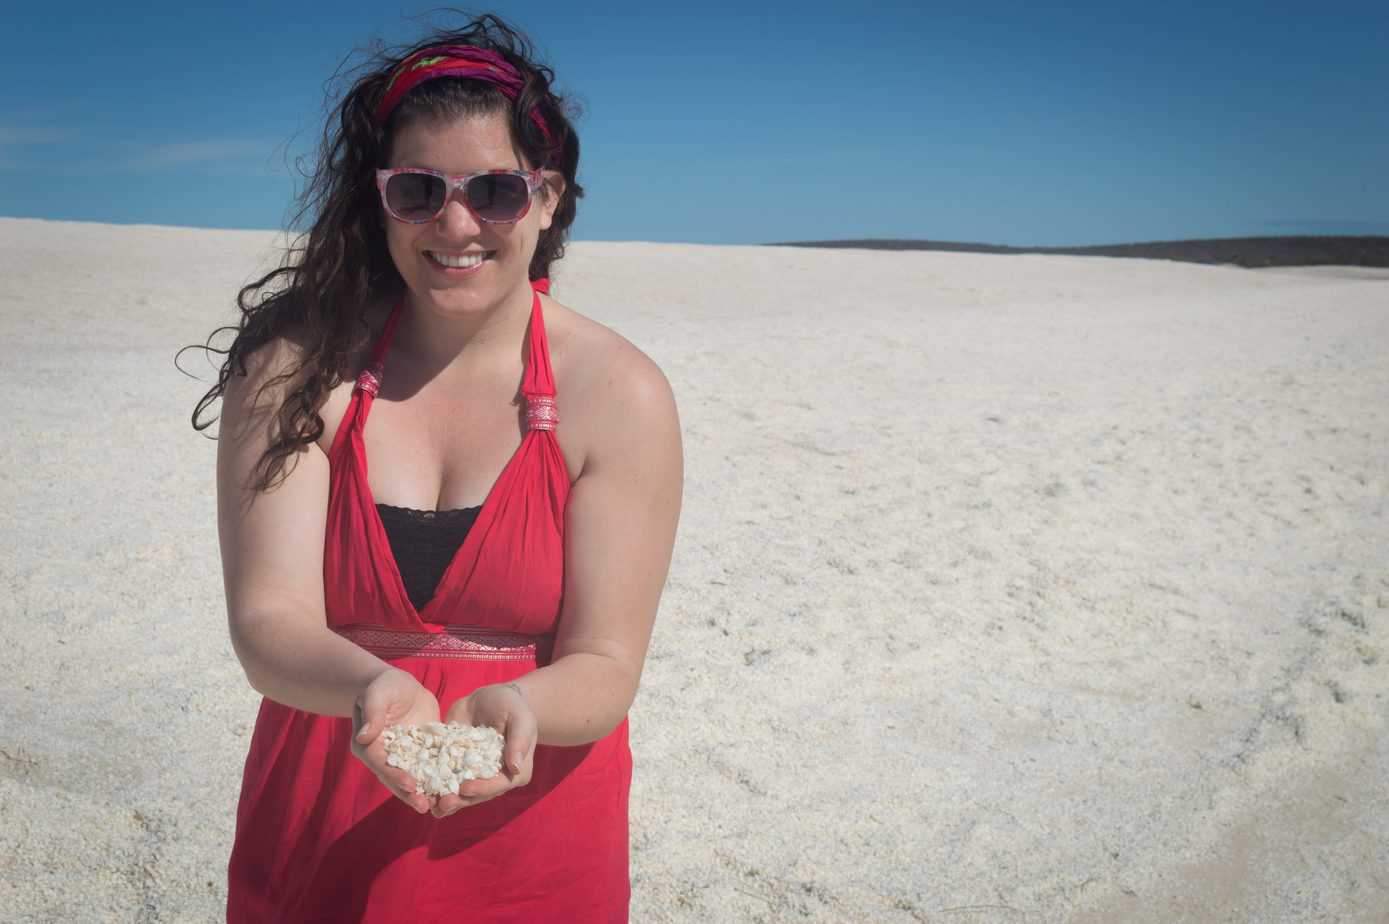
[(328, 278)]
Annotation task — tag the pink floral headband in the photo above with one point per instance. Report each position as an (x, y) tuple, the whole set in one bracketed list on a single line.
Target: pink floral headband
[(456, 61)]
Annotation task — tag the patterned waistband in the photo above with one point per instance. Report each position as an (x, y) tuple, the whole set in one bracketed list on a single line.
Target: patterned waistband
[(469, 643)]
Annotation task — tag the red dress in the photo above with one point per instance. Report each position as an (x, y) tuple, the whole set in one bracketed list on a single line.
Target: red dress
[(318, 837)]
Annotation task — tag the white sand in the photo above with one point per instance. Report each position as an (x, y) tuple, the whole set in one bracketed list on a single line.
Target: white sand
[(1031, 588)]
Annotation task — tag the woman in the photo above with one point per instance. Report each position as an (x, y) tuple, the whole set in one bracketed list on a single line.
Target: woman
[(500, 560)]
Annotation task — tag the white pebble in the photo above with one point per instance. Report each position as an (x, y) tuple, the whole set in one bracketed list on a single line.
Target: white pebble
[(440, 756)]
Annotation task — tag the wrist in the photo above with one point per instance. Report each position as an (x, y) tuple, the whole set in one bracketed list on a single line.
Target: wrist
[(490, 691), (375, 676)]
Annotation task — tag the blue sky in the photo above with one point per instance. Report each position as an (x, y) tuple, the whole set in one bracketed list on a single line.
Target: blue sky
[(1007, 123)]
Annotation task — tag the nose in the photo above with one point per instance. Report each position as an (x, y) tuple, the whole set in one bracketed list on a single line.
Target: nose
[(456, 218)]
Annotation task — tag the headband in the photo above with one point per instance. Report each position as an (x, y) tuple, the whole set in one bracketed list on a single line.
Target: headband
[(456, 61)]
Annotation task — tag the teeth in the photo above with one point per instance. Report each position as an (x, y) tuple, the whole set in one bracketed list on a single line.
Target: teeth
[(457, 262)]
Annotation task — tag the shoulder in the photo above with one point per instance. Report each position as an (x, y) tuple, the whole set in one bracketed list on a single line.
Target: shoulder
[(283, 364), (619, 394), (263, 374)]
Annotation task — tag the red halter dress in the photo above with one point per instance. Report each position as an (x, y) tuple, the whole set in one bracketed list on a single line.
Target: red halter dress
[(318, 838)]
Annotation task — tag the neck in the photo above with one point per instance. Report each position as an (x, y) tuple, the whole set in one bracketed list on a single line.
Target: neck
[(459, 344)]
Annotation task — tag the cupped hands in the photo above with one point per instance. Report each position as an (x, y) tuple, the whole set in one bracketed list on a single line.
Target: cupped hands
[(503, 707), (395, 697)]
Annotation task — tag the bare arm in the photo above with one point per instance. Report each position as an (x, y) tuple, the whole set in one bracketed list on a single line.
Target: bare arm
[(620, 525), (272, 556)]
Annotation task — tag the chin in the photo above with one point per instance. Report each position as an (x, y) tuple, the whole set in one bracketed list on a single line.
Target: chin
[(494, 282), (459, 298)]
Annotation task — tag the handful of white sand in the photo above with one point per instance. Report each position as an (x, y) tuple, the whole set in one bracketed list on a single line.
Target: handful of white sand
[(440, 757)]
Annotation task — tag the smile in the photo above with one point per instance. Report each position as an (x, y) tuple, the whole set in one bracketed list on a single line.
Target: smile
[(458, 261)]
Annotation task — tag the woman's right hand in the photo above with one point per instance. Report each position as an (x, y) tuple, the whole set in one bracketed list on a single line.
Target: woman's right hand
[(394, 697)]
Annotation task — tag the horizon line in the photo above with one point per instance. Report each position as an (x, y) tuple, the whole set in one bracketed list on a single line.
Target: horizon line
[(870, 243)]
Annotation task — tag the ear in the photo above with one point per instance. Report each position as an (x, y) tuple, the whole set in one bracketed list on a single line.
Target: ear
[(550, 195)]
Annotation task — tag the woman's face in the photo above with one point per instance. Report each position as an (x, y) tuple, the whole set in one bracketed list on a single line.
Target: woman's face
[(470, 144)]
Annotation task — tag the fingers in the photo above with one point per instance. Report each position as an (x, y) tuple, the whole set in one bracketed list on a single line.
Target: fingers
[(405, 792), (402, 786), (419, 804), (398, 780), (392, 697), (373, 707), (475, 792), (482, 790), (365, 727), (471, 793), (511, 716), (446, 805)]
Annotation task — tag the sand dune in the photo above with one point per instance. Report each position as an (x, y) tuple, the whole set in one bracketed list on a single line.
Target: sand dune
[(1031, 588)]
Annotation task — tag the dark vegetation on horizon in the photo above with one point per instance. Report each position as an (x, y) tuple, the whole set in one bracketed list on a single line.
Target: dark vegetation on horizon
[(1240, 251)]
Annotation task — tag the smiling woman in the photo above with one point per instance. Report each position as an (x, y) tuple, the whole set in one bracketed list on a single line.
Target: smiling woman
[(501, 560), (459, 199)]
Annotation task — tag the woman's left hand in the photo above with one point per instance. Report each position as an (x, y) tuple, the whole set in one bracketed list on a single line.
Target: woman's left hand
[(504, 708)]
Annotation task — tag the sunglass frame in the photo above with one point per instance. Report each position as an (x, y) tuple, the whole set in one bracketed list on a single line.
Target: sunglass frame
[(534, 180)]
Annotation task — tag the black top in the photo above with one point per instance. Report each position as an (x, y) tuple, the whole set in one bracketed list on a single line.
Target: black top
[(423, 543)]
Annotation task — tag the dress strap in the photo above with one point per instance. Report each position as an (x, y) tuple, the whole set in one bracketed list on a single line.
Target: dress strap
[(538, 386), (370, 379)]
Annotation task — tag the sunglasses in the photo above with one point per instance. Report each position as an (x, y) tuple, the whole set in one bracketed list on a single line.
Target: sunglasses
[(417, 195)]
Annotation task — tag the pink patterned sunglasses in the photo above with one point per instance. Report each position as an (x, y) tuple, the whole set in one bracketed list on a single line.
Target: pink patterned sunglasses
[(417, 195)]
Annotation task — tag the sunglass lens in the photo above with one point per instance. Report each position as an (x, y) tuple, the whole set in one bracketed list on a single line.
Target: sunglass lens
[(498, 196), (415, 196)]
